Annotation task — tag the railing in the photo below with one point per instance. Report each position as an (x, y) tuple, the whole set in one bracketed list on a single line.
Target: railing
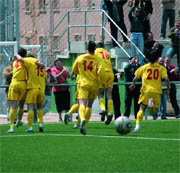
[(115, 83), (71, 85), (85, 25), (119, 29)]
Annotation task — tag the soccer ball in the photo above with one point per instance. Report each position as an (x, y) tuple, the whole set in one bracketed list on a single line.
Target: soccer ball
[(123, 125)]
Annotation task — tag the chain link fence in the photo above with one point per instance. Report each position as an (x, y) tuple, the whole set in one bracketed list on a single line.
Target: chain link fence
[(41, 24), (45, 23)]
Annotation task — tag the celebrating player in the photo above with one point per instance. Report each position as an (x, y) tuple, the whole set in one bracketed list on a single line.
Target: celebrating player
[(35, 89), (17, 90)]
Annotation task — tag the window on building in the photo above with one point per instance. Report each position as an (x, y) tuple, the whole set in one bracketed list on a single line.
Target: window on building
[(42, 6), (56, 5), (28, 40), (27, 6), (55, 44), (41, 40)]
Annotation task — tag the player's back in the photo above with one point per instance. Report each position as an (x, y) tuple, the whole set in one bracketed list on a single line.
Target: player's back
[(19, 71), (36, 74), (106, 57), (88, 65), (152, 74)]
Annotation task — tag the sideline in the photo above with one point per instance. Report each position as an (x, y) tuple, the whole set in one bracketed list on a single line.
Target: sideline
[(98, 136)]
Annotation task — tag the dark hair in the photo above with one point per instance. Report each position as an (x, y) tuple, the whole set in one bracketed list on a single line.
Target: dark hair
[(56, 60), (153, 55), (91, 46), (22, 52), (100, 45), (147, 34), (137, 9)]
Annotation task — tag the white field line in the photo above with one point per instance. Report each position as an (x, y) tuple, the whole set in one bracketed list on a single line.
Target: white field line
[(97, 122), (98, 136)]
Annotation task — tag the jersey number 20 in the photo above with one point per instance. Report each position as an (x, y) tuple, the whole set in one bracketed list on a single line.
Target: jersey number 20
[(153, 74)]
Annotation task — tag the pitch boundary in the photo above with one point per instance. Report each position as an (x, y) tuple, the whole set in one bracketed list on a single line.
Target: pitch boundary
[(100, 136)]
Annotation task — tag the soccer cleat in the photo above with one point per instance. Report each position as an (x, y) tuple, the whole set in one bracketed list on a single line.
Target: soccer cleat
[(155, 117), (109, 119), (29, 130), (11, 130), (60, 118), (82, 130), (136, 130), (19, 123), (103, 114), (41, 129), (76, 126), (66, 119)]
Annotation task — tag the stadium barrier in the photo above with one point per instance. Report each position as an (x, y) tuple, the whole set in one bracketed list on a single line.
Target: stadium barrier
[(71, 85)]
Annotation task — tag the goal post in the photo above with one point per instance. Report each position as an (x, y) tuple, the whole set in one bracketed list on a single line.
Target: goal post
[(7, 50)]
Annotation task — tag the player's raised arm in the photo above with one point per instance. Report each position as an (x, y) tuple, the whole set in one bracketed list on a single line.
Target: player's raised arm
[(40, 64), (20, 58)]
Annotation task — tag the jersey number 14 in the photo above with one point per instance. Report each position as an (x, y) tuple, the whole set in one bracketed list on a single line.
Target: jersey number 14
[(88, 66)]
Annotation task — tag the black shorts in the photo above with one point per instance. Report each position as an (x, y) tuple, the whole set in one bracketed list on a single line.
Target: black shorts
[(62, 100)]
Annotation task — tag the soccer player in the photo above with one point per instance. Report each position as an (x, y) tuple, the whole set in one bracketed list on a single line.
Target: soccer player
[(91, 74), (17, 90), (107, 86), (35, 89), (151, 90)]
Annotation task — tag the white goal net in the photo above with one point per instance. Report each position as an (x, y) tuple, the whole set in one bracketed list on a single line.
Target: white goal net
[(7, 50)]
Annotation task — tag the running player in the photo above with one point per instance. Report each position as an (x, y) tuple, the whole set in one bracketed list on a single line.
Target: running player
[(151, 90), (35, 89), (107, 86), (91, 74)]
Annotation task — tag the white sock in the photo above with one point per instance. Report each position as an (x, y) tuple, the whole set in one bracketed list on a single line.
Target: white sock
[(137, 126)]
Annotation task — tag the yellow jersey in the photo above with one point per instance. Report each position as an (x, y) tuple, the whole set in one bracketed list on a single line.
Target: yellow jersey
[(106, 57), (151, 74), (90, 70), (36, 74), (19, 71)]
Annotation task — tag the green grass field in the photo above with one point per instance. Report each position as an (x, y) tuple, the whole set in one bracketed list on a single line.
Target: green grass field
[(60, 148)]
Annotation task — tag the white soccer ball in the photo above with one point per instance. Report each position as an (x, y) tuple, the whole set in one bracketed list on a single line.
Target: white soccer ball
[(123, 125)]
